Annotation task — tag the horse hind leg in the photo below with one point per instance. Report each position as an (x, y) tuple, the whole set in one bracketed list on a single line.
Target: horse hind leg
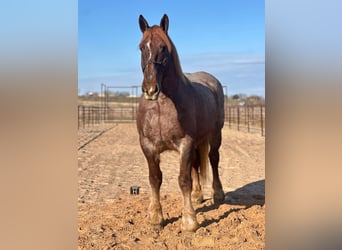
[(196, 194), (199, 172), (214, 157)]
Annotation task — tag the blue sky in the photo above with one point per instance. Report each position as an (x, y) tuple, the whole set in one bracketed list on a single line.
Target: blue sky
[(224, 38)]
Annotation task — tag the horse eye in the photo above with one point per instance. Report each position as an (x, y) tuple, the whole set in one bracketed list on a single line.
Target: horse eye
[(163, 48)]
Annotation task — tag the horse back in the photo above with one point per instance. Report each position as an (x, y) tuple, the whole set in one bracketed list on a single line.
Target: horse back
[(212, 93)]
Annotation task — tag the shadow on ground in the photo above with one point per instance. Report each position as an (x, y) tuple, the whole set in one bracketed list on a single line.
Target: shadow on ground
[(248, 195)]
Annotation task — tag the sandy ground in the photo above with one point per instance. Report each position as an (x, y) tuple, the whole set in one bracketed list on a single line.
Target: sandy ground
[(110, 161)]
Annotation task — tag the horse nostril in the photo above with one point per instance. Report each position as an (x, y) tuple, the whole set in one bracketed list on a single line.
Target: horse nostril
[(151, 91)]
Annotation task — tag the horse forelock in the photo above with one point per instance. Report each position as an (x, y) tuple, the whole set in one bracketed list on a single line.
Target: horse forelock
[(156, 31)]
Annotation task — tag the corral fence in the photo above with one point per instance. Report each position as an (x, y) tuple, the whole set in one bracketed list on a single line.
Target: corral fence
[(92, 115), (249, 118), (111, 107)]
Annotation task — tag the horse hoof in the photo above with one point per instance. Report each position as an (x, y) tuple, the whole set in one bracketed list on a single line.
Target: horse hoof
[(157, 225), (219, 196), (189, 224), (190, 227), (156, 219), (197, 197), (197, 200)]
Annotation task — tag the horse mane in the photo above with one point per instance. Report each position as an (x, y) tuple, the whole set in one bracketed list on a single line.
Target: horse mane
[(169, 44)]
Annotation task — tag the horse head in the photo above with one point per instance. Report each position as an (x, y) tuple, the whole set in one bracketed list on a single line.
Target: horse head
[(155, 48)]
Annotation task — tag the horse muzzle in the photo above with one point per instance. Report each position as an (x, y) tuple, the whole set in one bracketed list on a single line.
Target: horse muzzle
[(152, 92)]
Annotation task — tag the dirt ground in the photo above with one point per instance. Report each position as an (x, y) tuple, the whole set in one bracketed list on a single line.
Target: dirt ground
[(110, 161)]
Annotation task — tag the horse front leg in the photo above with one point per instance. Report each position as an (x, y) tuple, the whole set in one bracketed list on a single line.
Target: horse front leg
[(155, 209), (155, 177), (189, 222)]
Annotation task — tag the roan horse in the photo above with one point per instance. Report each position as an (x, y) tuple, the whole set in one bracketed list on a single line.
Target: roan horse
[(181, 112)]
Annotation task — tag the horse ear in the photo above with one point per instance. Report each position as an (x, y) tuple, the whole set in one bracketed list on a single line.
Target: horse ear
[(164, 23), (143, 24)]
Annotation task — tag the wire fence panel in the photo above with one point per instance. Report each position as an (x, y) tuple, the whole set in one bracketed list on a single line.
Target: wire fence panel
[(249, 118), (92, 115)]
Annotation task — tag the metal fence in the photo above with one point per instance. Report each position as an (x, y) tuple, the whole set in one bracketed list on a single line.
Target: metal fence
[(92, 115), (249, 118)]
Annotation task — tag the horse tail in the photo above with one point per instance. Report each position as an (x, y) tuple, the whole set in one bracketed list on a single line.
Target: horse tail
[(204, 165)]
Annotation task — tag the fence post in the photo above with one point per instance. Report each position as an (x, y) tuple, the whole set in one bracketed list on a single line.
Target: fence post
[(229, 116), (248, 117), (103, 114), (83, 116), (89, 117), (245, 110), (78, 116), (253, 120), (97, 115), (92, 116), (261, 121)]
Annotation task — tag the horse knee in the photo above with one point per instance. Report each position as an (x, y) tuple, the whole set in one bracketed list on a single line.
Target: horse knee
[(156, 179), (184, 182)]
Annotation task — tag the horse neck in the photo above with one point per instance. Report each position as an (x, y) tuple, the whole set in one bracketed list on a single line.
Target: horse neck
[(175, 77)]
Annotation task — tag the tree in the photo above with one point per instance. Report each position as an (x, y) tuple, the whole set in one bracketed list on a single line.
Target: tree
[(255, 100), (236, 97)]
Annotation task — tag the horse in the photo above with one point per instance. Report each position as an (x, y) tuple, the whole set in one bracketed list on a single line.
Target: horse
[(180, 112)]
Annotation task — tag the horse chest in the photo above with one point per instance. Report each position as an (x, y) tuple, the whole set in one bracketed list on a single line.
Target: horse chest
[(161, 126)]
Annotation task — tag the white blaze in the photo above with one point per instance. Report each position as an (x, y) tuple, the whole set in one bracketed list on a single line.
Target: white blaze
[(149, 49)]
